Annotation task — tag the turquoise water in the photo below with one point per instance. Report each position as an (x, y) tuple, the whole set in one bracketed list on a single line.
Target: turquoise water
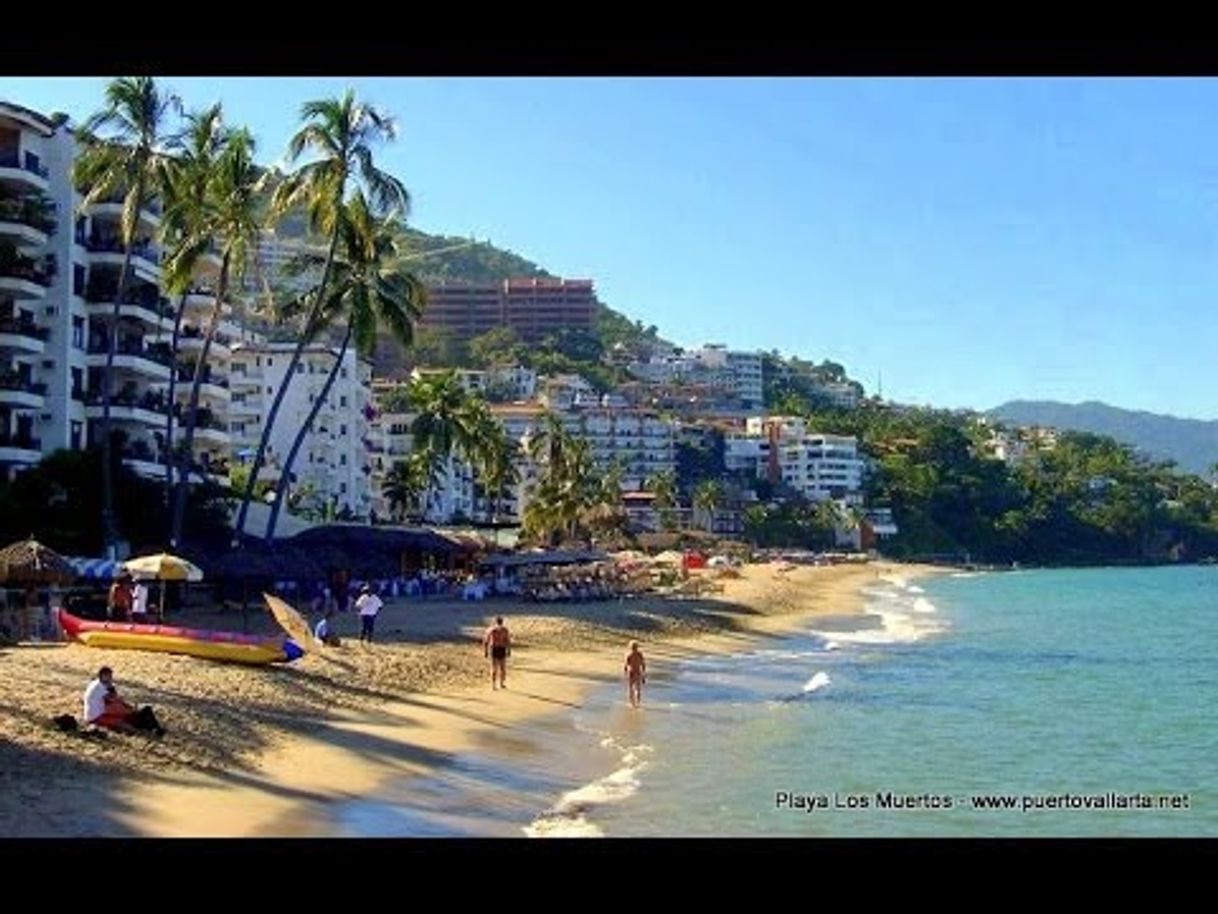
[(1046, 686)]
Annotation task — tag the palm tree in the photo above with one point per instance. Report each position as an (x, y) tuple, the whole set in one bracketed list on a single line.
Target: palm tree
[(441, 425), (664, 486), (131, 160), (371, 287), (406, 481), (497, 463), (550, 441), (185, 188), (229, 222), (339, 134), (708, 495)]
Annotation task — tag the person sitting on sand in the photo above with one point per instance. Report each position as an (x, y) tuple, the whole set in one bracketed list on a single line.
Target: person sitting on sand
[(497, 645), (636, 675), (368, 604), (104, 708), (323, 632)]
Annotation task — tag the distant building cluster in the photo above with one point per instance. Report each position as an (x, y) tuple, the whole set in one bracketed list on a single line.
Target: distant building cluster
[(59, 277)]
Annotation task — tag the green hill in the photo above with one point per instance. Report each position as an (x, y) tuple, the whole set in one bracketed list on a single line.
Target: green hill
[(461, 259)]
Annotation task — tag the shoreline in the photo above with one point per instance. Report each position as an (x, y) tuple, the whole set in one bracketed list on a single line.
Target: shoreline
[(356, 748)]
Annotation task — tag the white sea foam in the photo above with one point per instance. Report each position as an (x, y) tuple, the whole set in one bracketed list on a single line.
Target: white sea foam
[(568, 817), (914, 588), (818, 681), (903, 618), (831, 645)]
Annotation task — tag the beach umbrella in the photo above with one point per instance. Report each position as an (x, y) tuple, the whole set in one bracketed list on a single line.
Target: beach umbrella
[(30, 564), (163, 567), (293, 623)]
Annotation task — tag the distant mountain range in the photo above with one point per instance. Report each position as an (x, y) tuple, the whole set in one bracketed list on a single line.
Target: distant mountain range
[(1191, 443)]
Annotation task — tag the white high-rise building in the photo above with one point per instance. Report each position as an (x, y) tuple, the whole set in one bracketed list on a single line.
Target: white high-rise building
[(782, 448), (334, 461), (58, 278)]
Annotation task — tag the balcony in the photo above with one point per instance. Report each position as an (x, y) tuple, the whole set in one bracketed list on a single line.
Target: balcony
[(191, 340), (211, 386), (19, 448), (24, 277), (144, 304), (147, 409), (27, 220), (154, 360), (109, 249), (28, 171), (16, 391), (112, 206), (23, 335)]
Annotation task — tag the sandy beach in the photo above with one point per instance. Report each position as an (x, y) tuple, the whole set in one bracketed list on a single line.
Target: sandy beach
[(263, 751)]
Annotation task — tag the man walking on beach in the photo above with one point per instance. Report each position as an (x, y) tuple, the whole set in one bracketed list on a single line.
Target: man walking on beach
[(636, 675), (368, 604), (497, 645)]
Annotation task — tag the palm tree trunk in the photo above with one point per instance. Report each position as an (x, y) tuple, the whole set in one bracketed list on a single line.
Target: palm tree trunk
[(282, 489), (269, 422), (109, 527), (173, 380), (183, 488)]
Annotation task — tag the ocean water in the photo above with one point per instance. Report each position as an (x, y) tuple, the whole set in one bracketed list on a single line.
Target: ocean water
[(1031, 703)]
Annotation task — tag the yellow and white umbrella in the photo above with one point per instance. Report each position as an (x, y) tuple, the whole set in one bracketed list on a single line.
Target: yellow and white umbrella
[(163, 567)]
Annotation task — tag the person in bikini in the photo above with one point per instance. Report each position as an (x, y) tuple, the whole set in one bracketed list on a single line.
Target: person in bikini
[(636, 675), (497, 645)]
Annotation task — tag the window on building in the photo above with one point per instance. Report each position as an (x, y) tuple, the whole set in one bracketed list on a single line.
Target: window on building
[(78, 280), (342, 429), (342, 373), (342, 460), (269, 362), (78, 332), (270, 390), (342, 488), (74, 434), (342, 401), (300, 368), (78, 384)]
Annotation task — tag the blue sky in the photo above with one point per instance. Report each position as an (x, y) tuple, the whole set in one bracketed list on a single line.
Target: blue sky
[(973, 240)]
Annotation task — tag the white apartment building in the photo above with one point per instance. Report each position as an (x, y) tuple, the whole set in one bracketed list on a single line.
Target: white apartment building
[(269, 265), (739, 373), (559, 392), (58, 278), (391, 442), (335, 458), (782, 448)]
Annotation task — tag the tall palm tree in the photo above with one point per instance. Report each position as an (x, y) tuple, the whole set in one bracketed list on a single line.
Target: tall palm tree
[(497, 456), (406, 481), (229, 222), (664, 485), (372, 288), (185, 188), (130, 159), (708, 495), (441, 426), (338, 134)]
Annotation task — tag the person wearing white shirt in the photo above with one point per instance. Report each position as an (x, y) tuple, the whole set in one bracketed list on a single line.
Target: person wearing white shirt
[(95, 695), (368, 604), (104, 708), (139, 606)]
